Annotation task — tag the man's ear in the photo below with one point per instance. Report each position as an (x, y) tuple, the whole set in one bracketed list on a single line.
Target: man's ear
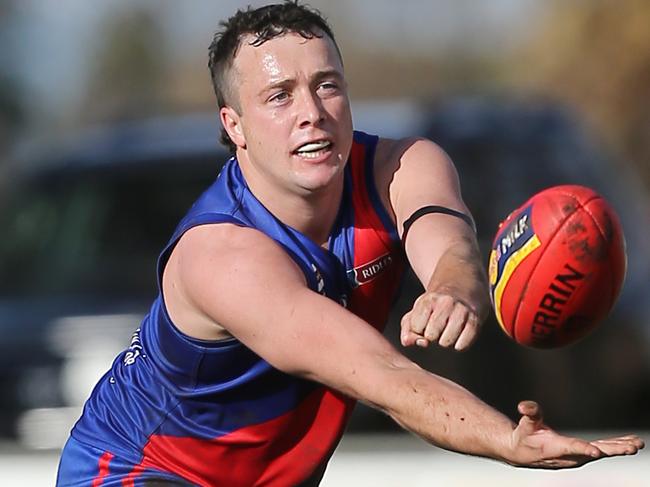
[(231, 121)]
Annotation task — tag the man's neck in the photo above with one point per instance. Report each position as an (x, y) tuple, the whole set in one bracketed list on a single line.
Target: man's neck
[(313, 216), (312, 213)]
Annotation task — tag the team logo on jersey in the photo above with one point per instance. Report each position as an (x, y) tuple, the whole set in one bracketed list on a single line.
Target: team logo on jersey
[(320, 287), (135, 349), (320, 282), (365, 273)]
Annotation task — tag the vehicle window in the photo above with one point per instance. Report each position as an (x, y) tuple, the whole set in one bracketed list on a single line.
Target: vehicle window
[(96, 231)]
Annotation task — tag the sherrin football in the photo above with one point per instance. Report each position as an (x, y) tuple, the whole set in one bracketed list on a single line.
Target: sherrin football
[(557, 266)]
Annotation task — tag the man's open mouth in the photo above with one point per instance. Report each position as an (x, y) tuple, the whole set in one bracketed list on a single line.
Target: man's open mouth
[(312, 150)]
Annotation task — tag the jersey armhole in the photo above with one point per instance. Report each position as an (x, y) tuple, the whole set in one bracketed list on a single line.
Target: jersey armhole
[(208, 219), (184, 227), (370, 142)]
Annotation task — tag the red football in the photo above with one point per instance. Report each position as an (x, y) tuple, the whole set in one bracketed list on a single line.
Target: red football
[(557, 266)]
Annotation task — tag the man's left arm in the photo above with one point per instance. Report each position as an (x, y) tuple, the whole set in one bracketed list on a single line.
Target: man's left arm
[(440, 245)]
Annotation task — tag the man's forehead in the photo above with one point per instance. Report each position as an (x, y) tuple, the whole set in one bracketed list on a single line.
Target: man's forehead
[(272, 51)]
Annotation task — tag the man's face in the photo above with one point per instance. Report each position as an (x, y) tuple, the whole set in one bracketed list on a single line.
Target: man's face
[(295, 125)]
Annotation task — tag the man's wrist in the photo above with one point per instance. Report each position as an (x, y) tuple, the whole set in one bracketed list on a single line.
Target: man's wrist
[(507, 448)]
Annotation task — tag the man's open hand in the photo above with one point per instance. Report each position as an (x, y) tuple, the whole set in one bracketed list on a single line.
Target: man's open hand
[(535, 445)]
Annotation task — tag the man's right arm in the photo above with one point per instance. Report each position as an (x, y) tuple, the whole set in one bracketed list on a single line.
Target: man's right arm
[(239, 279)]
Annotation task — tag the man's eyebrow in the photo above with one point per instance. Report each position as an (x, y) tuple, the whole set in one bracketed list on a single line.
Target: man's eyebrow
[(327, 73), (279, 83), (317, 76)]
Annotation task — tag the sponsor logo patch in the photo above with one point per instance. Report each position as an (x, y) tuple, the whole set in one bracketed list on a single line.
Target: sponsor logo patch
[(367, 272), (513, 244)]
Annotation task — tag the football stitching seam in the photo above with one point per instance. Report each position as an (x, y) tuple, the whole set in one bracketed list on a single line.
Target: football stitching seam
[(581, 205), (612, 297)]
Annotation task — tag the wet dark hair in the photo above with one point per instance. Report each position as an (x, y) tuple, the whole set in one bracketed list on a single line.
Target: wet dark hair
[(263, 24)]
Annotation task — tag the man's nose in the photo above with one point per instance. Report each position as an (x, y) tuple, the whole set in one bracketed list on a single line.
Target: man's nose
[(311, 111)]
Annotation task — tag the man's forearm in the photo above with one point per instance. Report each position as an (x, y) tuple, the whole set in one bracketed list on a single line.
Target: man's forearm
[(444, 413), (460, 272)]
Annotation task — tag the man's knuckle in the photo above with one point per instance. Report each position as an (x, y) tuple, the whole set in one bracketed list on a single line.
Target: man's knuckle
[(432, 333), (447, 300)]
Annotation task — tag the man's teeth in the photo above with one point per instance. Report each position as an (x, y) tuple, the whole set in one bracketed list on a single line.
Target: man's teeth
[(313, 147)]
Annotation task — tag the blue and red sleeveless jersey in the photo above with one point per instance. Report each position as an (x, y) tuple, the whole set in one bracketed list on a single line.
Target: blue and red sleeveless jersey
[(215, 413)]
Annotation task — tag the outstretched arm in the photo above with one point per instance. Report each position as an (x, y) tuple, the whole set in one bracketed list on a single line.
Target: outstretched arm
[(538, 446), (441, 247), (237, 279)]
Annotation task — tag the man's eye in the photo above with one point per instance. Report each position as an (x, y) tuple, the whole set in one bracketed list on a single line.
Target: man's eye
[(278, 97), (328, 88)]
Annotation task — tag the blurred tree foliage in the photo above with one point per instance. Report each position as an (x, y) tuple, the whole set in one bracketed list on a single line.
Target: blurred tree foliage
[(595, 55), (128, 70)]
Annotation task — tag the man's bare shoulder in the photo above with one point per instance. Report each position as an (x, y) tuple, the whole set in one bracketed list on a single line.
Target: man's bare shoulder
[(393, 152), (226, 237), (230, 247), (400, 163), (221, 264)]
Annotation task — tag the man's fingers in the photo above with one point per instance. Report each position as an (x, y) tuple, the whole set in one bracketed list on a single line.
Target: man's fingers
[(530, 409), (440, 314), (420, 314), (469, 333), (403, 329), (439, 318), (409, 338), (455, 325), (628, 445), (531, 419), (632, 438), (540, 446), (581, 447)]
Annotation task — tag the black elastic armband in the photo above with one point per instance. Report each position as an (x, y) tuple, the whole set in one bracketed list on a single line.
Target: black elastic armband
[(425, 210)]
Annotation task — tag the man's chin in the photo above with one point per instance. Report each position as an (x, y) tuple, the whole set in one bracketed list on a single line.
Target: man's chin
[(318, 181)]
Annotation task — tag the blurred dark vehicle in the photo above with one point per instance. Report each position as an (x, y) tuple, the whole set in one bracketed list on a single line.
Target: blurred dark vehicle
[(84, 225)]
